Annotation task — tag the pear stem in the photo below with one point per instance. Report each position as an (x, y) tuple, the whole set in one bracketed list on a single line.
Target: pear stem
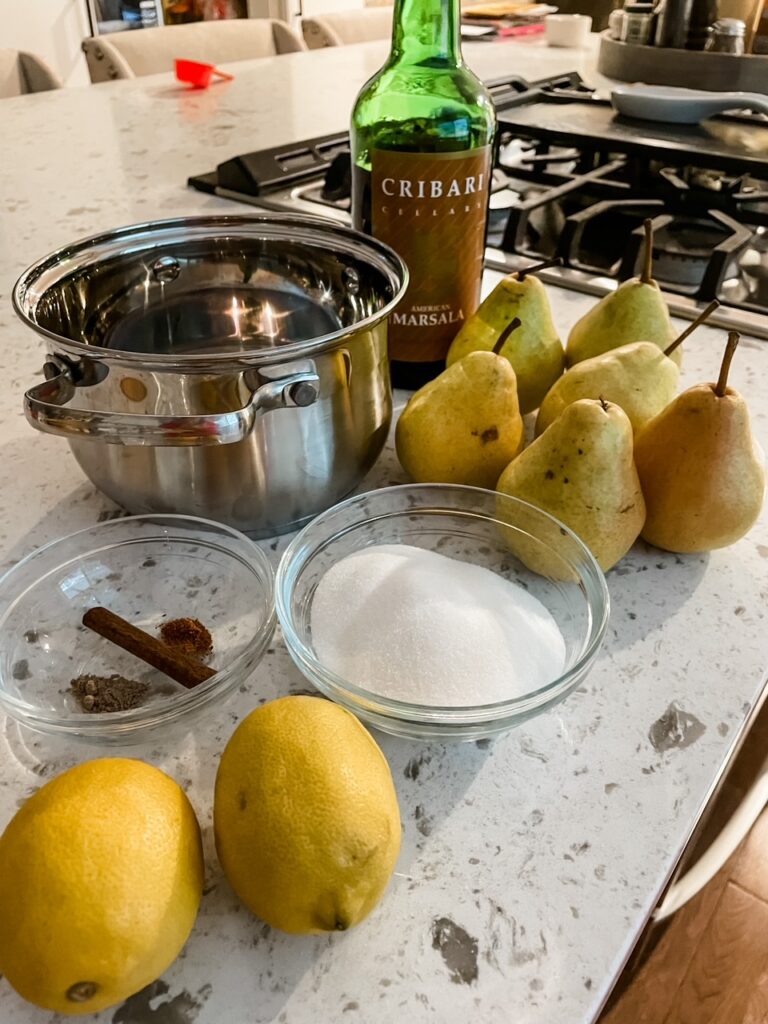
[(722, 381), (511, 326), (647, 275), (700, 319), (556, 261)]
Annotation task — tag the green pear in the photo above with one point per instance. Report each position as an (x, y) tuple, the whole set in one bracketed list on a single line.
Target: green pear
[(582, 472), (464, 426), (534, 350), (638, 377), (636, 311), (701, 470)]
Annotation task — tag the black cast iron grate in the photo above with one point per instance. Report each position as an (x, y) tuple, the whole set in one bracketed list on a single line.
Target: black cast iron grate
[(572, 179)]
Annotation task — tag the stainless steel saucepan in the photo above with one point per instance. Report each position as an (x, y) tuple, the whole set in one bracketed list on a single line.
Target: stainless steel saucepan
[(232, 367)]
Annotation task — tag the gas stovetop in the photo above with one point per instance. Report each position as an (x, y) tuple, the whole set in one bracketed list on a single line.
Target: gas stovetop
[(574, 179)]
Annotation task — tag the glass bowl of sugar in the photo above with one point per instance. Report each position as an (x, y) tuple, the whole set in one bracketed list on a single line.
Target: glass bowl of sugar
[(436, 611)]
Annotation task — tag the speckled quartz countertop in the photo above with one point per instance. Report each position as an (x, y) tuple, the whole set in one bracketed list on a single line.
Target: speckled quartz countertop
[(529, 865)]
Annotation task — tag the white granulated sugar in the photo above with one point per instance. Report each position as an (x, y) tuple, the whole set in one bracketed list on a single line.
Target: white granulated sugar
[(418, 626)]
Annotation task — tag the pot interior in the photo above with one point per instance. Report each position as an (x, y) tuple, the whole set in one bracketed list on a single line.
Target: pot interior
[(211, 286), (229, 318)]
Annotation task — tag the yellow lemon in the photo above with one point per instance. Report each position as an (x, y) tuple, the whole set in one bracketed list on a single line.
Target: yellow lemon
[(305, 815), (101, 874)]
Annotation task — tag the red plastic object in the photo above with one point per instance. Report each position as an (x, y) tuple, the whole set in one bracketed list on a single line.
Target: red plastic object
[(198, 75), (521, 30)]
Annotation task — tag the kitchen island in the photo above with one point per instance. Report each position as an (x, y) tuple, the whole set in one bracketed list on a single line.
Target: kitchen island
[(529, 864)]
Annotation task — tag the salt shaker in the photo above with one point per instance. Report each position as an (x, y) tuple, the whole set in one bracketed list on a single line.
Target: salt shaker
[(727, 36), (615, 23)]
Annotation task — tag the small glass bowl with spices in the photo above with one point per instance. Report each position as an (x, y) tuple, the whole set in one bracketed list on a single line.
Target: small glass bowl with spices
[(197, 591), (435, 611)]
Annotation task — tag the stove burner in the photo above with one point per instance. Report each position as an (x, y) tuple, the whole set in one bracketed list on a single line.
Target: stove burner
[(574, 180), (683, 248), (592, 210)]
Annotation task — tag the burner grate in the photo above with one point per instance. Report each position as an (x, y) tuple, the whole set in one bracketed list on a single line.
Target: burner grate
[(574, 180)]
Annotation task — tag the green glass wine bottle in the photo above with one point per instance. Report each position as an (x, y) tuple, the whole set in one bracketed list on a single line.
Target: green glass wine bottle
[(422, 132)]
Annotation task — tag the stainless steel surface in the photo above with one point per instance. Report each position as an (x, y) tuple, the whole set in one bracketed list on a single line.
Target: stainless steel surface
[(47, 409), (227, 367)]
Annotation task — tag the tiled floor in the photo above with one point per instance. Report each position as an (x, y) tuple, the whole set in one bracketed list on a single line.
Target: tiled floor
[(709, 964)]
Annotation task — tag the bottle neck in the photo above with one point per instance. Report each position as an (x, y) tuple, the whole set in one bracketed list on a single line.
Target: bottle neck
[(426, 32)]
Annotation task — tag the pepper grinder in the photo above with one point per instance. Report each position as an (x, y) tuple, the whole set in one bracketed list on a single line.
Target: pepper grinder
[(672, 23), (704, 14)]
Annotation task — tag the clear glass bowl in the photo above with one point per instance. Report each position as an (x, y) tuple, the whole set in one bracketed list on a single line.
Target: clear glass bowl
[(148, 569), (472, 525)]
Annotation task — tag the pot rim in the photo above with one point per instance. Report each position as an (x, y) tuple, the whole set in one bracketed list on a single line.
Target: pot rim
[(149, 233)]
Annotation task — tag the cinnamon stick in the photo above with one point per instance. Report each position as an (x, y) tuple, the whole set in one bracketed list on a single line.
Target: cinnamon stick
[(180, 667)]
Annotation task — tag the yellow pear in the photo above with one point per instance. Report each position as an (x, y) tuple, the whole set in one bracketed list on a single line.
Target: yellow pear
[(464, 426), (639, 377), (636, 311), (701, 470), (534, 350), (582, 472)]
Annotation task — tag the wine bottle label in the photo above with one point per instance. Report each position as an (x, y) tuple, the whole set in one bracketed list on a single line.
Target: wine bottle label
[(431, 208)]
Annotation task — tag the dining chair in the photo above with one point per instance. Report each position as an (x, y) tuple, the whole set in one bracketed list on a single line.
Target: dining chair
[(21, 73), (341, 28), (598, 10), (152, 50)]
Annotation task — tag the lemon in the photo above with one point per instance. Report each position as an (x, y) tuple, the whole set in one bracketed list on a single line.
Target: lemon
[(101, 874), (305, 816)]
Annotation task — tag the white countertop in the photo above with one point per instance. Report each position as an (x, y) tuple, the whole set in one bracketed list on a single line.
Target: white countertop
[(540, 855)]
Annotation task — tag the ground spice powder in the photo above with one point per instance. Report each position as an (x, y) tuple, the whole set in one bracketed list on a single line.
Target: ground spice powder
[(99, 694), (187, 635)]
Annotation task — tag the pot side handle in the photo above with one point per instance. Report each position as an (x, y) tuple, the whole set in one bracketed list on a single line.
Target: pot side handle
[(45, 405)]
